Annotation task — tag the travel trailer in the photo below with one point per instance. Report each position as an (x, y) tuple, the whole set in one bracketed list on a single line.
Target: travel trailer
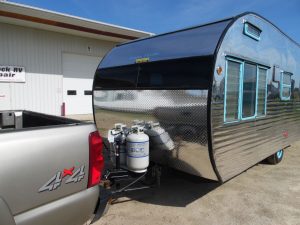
[(213, 99)]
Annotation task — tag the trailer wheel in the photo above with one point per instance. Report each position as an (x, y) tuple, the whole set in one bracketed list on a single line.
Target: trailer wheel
[(275, 158)]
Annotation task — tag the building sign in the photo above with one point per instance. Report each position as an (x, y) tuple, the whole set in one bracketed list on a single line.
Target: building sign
[(14, 74)]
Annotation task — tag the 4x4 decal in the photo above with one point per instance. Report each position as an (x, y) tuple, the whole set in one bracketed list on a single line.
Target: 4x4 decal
[(56, 180)]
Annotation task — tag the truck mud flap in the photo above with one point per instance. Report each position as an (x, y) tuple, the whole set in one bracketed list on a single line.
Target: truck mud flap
[(103, 204)]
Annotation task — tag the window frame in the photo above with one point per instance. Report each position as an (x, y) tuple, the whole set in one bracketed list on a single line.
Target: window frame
[(282, 85), (249, 34), (266, 88), (242, 93), (240, 90)]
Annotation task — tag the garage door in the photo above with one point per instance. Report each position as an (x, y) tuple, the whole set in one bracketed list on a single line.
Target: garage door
[(78, 72)]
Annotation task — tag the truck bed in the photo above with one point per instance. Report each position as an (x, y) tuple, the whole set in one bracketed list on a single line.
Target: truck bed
[(44, 169), (20, 119)]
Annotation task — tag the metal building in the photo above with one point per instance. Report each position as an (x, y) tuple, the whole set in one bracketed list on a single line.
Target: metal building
[(48, 59)]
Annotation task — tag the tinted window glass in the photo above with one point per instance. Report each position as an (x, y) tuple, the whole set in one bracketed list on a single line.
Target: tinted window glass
[(261, 95), (187, 73), (232, 90), (117, 77), (249, 90), (183, 73)]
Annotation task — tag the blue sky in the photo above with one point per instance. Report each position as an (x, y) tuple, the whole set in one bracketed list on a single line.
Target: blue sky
[(159, 16)]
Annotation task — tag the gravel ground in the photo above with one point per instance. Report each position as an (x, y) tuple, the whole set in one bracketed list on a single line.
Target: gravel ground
[(264, 194)]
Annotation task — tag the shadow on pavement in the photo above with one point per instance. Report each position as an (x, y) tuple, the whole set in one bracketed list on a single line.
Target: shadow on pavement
[(177, 189)]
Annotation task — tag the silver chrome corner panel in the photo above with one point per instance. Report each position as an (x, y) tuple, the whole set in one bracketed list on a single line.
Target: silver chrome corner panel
[(239, 145), (181, 113)]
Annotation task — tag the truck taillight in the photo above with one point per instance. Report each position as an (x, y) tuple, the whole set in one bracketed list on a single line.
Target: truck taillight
[(96, 159)]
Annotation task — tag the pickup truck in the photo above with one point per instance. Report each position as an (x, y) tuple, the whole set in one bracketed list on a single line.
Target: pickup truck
[(50, 168)]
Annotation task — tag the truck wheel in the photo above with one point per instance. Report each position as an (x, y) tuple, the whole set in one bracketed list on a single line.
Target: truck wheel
[(275, 158)]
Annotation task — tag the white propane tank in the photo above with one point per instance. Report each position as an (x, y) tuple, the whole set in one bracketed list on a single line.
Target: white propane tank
[(137, 145)]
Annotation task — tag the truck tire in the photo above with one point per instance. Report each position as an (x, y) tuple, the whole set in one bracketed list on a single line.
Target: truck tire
[(275, 158)]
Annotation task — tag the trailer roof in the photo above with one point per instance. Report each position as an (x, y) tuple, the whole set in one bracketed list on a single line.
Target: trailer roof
[(194, 41), (191, 42)]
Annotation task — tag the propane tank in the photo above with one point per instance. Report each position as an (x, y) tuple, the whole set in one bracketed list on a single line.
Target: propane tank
[(159, 138), (137, 145), (140, 123), (121, 138), (117, 137)]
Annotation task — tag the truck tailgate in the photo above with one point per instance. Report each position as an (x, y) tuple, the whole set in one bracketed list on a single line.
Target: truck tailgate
[(38, 166)]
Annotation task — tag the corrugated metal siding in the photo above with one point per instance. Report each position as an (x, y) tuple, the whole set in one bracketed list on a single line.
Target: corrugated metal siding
[(41, 92), (40, 52), (4, 96), (240, 145)]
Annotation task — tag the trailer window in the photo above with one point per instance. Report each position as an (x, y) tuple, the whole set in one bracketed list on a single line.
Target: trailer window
[(249, 91), (123, 77), (245, 90), (252, 31), (188, 73), (286, 86), (232, 86), (262, 91)]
